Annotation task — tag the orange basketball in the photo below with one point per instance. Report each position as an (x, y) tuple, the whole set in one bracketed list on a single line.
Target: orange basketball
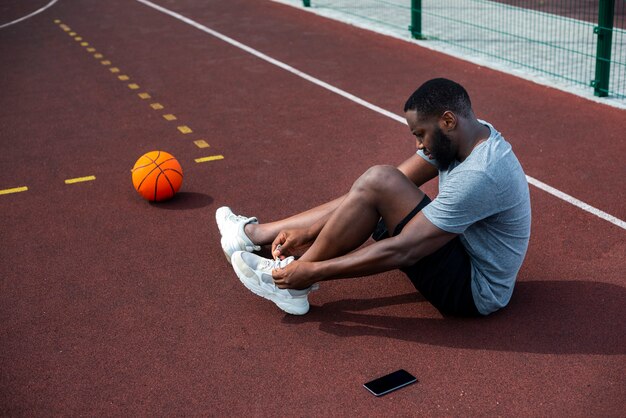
[(157, 176)]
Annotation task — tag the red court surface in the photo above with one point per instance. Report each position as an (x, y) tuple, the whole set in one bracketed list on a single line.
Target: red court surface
[(112, 306)]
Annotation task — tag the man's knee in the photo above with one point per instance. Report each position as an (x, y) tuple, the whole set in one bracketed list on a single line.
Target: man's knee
[(377, 178)]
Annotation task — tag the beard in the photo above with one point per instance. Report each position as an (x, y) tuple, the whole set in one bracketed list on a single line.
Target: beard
[(442, 150)]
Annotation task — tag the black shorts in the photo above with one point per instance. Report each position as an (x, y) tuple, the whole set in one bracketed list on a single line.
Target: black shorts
[(444, 277)]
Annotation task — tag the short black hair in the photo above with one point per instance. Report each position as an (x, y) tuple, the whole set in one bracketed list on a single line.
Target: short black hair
[(436, 96)]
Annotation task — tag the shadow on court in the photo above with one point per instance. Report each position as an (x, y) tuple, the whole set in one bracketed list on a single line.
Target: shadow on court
[(551, 317)]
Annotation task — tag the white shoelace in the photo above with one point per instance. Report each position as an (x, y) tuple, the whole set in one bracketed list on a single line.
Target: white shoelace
[(270, 264)]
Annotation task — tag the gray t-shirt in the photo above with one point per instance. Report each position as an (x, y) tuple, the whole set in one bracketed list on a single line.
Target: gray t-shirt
[(485, 199)]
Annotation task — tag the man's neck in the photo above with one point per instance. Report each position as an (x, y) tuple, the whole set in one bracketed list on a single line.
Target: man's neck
[(473, 134)]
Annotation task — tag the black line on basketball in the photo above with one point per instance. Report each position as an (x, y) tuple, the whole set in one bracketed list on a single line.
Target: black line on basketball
[(143, 166), (164, 161), (146, 176), (170, 183), (156, 185), (174, 170)]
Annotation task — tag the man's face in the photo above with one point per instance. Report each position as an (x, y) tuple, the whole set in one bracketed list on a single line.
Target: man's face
[(431, 139)]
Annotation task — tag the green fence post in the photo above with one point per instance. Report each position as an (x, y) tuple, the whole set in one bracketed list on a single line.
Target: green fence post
[(307, 3), (416, 19), (604, 30)]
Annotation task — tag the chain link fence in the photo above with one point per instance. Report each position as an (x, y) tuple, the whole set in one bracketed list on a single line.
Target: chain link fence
[(576, 42)]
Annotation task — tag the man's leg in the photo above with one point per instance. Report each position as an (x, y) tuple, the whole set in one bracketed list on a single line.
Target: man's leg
[(382, 191), (265, 233)]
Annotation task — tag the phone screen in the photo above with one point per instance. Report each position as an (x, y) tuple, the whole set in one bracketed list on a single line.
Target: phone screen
[(390, 382)]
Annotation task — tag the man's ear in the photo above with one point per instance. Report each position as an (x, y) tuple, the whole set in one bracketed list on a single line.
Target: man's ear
[(448, 121)]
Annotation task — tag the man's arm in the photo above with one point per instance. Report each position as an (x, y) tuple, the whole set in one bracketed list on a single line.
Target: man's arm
[(418, 239), (418, 170)]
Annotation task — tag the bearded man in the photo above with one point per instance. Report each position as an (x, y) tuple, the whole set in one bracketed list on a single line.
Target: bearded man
[(462, 250)]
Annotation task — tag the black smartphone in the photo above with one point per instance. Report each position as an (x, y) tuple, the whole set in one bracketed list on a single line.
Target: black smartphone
[(390, 382)]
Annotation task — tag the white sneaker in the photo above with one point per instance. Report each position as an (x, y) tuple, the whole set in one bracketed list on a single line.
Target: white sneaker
[(233, 236), (255, 273)]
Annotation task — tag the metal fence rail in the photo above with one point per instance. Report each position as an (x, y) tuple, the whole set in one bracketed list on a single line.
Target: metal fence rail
[(581, 42)]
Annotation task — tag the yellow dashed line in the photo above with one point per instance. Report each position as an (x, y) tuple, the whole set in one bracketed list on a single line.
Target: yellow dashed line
[(14, 190), (209, 158), (80, 179), (201, 143), (184, 129)]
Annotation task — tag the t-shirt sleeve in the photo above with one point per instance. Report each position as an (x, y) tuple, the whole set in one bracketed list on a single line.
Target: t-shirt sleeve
[(421, 154), (465, 198)]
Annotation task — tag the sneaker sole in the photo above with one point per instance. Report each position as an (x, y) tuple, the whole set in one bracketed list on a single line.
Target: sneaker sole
[(248, 282), (219, 219), (225, 253), (220, 216)]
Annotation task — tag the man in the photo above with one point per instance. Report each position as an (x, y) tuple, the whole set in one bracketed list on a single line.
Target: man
[(462, 251)]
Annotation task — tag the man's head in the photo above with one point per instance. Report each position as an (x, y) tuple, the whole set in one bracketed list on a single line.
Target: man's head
[(436, 96), (433, 112)]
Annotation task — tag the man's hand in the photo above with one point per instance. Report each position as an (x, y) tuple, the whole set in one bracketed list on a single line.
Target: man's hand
[(290, 241), (296, 275)]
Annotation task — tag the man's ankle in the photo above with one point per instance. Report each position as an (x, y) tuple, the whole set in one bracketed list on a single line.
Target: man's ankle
[(250, 231)]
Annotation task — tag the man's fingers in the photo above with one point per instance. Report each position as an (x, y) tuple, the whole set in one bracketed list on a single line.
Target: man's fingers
[(277, 253), (280, 276), (277, 274), (278, 243), (282, 245)]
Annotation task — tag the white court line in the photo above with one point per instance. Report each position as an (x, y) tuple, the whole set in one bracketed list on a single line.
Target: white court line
[(30, 15), (578, 203), (546, 188)]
